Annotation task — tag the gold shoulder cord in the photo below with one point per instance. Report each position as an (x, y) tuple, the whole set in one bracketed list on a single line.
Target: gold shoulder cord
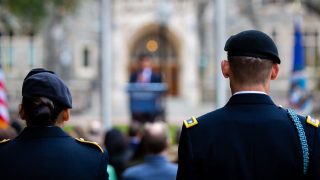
[(90, 142), (5, 140)]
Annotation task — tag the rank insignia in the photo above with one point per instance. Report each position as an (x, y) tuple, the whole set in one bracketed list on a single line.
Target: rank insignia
[(190, 122), (313, 122)]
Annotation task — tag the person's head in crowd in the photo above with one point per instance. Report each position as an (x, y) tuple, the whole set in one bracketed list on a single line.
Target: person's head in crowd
[(115, 142), (252, 61), (155, 137), (7, 133), (145, 60), (135, 129), (46, 100), (134, 135)]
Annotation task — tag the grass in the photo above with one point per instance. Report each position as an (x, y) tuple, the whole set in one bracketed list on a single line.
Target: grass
[(172, 131), (124, 129)]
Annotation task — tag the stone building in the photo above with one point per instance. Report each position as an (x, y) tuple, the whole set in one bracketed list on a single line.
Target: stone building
[(179, 34)]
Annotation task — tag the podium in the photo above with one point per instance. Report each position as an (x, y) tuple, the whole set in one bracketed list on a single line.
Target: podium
[(147, 101)]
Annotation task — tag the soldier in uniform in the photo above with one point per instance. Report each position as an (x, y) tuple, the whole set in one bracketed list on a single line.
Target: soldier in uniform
[(43, 150), (250, 138)]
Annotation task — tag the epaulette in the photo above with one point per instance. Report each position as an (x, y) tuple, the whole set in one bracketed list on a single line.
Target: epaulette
[(190, 122), (4, 140), (313, 122), (90, 142)]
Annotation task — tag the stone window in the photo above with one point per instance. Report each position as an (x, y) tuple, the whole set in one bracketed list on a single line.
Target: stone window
[(86, 57), (311, 48)]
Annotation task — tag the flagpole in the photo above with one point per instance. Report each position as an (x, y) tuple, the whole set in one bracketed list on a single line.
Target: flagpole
[(106, 70), (220, 24)]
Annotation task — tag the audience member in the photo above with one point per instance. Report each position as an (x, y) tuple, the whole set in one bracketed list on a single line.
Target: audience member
[(117, 146), (134, 135), (156, 165)]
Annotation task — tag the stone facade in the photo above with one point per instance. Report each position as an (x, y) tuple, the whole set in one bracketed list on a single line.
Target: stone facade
[(189, 30)]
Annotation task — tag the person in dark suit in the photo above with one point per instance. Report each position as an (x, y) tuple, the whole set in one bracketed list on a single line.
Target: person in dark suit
[(43, 150), (250, 138), (145, 74)]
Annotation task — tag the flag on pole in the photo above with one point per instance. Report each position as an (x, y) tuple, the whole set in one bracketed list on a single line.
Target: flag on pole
[(299, 96), (4, 114)]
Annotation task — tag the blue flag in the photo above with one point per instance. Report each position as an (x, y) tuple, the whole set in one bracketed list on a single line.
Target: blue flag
[(299, 97), (298, 56)]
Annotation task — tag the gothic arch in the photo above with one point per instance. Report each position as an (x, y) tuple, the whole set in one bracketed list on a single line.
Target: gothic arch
[(166, 52)]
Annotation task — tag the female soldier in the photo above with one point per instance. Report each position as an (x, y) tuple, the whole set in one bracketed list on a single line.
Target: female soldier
[(43, 150)]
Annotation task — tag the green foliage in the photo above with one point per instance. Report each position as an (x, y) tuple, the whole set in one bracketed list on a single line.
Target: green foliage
[(31, 13), (27, 11)]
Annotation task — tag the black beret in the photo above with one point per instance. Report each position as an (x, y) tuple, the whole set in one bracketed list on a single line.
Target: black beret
[(43, 83), (252, 43)]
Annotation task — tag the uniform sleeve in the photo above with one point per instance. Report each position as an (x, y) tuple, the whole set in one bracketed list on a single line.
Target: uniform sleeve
[(315, 159), (186, 168), (103, 174)]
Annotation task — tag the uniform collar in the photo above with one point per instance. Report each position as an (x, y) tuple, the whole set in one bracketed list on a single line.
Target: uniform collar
[(43, 132), (250, 98), (249, 92)]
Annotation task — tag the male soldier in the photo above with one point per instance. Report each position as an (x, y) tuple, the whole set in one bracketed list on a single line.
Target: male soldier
[(250, 138)]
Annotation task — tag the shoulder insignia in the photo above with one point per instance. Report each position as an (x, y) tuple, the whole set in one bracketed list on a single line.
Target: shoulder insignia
[(313, 122), (90, 142), (190, 122), (4, 140)]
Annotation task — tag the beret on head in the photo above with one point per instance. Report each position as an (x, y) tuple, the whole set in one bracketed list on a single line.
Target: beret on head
[(252, 43), (43, 83)]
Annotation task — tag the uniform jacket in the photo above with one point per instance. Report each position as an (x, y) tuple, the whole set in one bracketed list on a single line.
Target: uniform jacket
[(49, 153), (155, 167), (248, 139)]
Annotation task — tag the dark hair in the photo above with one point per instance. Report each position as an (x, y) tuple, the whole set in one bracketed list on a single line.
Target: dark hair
[(115, 142), (143, 56), (134, 129), (40, 111), (250, 70)]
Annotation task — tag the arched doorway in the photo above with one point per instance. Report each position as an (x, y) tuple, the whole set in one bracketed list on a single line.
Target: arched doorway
[(163, 46)]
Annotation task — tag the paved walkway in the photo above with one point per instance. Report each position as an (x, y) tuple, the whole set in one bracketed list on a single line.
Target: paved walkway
[(177, 111)]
